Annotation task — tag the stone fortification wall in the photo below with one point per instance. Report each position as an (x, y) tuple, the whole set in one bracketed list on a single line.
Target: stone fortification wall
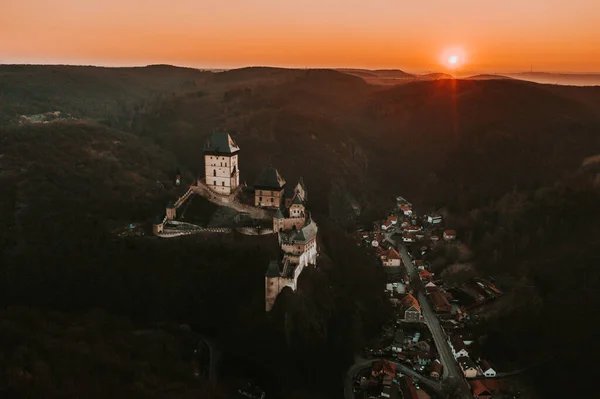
[(253, 231), (229, 201)]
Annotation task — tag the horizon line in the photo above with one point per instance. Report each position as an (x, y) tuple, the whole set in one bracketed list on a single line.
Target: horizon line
[(217, 68)]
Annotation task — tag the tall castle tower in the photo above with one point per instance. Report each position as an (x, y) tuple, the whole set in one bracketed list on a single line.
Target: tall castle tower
[(222, 172)]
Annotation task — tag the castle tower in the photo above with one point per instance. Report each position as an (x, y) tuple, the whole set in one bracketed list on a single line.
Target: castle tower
[(222, 172), (278, 221), (297, 207), (272, 284), (171, 211), (268, 189)]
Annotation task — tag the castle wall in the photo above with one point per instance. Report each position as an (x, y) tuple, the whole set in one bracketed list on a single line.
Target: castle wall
[(229, 201)]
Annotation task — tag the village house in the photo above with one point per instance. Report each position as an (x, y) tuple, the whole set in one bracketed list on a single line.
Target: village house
[(386, 226), (458, 347), (408, 238), (412, 229), (434, 219), (487, 369), (439, 301), (380, 368), (449, 235), (484, 389), (425, 275), (411, 308), (393, 219), (435, 369), (468, 367), (406, 210), (268, 189), (221, 168), (390, 258)]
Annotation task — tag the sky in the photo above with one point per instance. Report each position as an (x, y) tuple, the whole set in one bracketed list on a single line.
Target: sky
[(413, 35)]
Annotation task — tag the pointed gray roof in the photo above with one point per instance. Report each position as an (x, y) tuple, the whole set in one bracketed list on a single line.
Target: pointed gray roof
[(273, 269), (270, 178), (301, 183), (278, 214), (221, 143), (297, 200)]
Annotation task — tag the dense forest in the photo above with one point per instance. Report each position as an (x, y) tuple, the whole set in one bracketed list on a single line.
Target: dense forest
[(502, 158)]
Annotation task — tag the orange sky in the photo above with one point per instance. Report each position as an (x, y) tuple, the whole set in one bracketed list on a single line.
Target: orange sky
[(511, 35)]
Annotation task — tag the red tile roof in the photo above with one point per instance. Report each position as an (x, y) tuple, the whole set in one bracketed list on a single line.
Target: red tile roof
[(440, 302), (409, 301), (424, 274), (483, 387), (391, 254)]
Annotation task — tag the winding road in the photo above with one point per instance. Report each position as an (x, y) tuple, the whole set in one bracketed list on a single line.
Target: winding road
[(453, 380), (452, 373), (362, 363)]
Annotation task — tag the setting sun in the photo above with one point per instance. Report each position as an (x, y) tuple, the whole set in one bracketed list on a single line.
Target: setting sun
[(454, 57)]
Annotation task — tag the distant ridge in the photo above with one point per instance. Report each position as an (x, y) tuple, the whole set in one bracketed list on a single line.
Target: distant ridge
[(568, 79), (377, 73), (435, 76), (487, 77)]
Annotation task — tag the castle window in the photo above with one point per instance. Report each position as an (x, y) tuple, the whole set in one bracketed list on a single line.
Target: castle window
[(260, 199), (271, 199), (214, 172), (215, 183), (222, 183)]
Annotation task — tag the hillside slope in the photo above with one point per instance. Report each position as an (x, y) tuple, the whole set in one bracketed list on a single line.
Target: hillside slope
[(90, 92), (421, 138)]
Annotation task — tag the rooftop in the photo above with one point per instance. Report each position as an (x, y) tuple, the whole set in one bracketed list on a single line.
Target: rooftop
[(306, 233), (221, 142), (273, 269), (270, 178), (409, 301)]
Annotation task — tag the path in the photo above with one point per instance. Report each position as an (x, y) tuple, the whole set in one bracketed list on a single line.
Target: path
[(452, 372), (361, 364)]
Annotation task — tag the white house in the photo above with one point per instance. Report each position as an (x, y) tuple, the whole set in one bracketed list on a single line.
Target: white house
[(390, 258), (407, 237), (458, 347), (487, 369), (434, 219), (449, 235)]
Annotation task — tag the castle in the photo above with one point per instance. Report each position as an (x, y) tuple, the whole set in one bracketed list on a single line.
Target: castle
[(285, 205), (297, 232)]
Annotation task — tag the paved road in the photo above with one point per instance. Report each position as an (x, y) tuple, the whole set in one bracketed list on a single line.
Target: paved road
[(362, 363), (452, 373)]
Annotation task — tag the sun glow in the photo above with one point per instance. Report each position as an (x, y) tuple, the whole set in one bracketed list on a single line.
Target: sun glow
[(453, 58)]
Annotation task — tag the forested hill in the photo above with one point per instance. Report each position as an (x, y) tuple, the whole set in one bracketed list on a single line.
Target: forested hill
[(502, 156)]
